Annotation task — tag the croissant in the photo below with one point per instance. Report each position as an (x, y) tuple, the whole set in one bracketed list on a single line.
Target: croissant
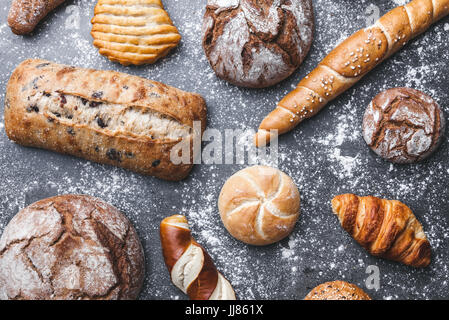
[(385, 228), (191, 268), (349, 62)]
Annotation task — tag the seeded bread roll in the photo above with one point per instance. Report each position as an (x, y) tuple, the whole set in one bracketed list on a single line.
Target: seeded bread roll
[(70, 247), (103, 116), (337, 290)]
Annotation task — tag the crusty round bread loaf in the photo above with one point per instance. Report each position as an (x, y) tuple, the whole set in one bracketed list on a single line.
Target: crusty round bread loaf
[(259, 205), (70, 247), (337, 290), (403, 125), (257, 43)]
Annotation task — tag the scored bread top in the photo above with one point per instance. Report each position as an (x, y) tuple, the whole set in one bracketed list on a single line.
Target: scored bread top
[(33, 77), (103, 116), (259, 205), (133, 31), (70, 247)]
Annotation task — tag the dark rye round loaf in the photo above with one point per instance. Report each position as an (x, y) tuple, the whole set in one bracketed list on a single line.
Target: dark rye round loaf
[(403, 125), (70, 247), (255, 43)]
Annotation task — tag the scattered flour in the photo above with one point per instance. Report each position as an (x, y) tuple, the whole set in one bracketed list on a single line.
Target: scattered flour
[(400, 2), (325, 156)]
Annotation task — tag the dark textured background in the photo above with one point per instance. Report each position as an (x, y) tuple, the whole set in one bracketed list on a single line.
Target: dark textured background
[(325, 156)]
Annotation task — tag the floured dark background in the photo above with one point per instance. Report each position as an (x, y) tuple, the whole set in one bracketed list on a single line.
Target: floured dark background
[(325, 156)]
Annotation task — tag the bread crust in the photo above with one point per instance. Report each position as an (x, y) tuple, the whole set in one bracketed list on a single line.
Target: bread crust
[(133, 31), (70, 247), (140, 153), (191, 268), (259, 205), (349, 62), (337, 290), (385, 228), (24, 15), (403, 125), (257, 44)]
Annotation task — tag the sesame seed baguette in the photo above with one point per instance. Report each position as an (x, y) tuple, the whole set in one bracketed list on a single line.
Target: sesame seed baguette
[(349, 62)]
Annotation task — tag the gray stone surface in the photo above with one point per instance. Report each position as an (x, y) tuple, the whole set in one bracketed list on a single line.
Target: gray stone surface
[(325, 156)]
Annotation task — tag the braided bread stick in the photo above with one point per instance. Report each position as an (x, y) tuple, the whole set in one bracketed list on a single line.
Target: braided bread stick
[(349, 62), (191, 268), (385, 228)]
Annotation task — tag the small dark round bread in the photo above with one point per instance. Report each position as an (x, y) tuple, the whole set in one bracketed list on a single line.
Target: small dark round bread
[(257, 43), (70, 247), (403, 125), (337, 290)]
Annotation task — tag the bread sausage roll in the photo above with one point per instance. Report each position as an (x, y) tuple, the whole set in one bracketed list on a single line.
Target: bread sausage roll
[(191, 268), (24, 15), (103, 116)]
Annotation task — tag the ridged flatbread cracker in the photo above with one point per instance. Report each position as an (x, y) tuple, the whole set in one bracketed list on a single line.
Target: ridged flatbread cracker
[(133, 31)]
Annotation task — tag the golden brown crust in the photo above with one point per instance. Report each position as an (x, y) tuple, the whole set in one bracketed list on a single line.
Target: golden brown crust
[(385, 228), (133, 31), (191, 268), (140, 153), (350, 61), (259, 205), (24, 15), (357, 55), (337, 290), (70, 247)]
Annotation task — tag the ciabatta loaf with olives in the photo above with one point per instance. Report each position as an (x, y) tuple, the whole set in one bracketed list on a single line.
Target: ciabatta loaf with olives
[(103, 116)]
